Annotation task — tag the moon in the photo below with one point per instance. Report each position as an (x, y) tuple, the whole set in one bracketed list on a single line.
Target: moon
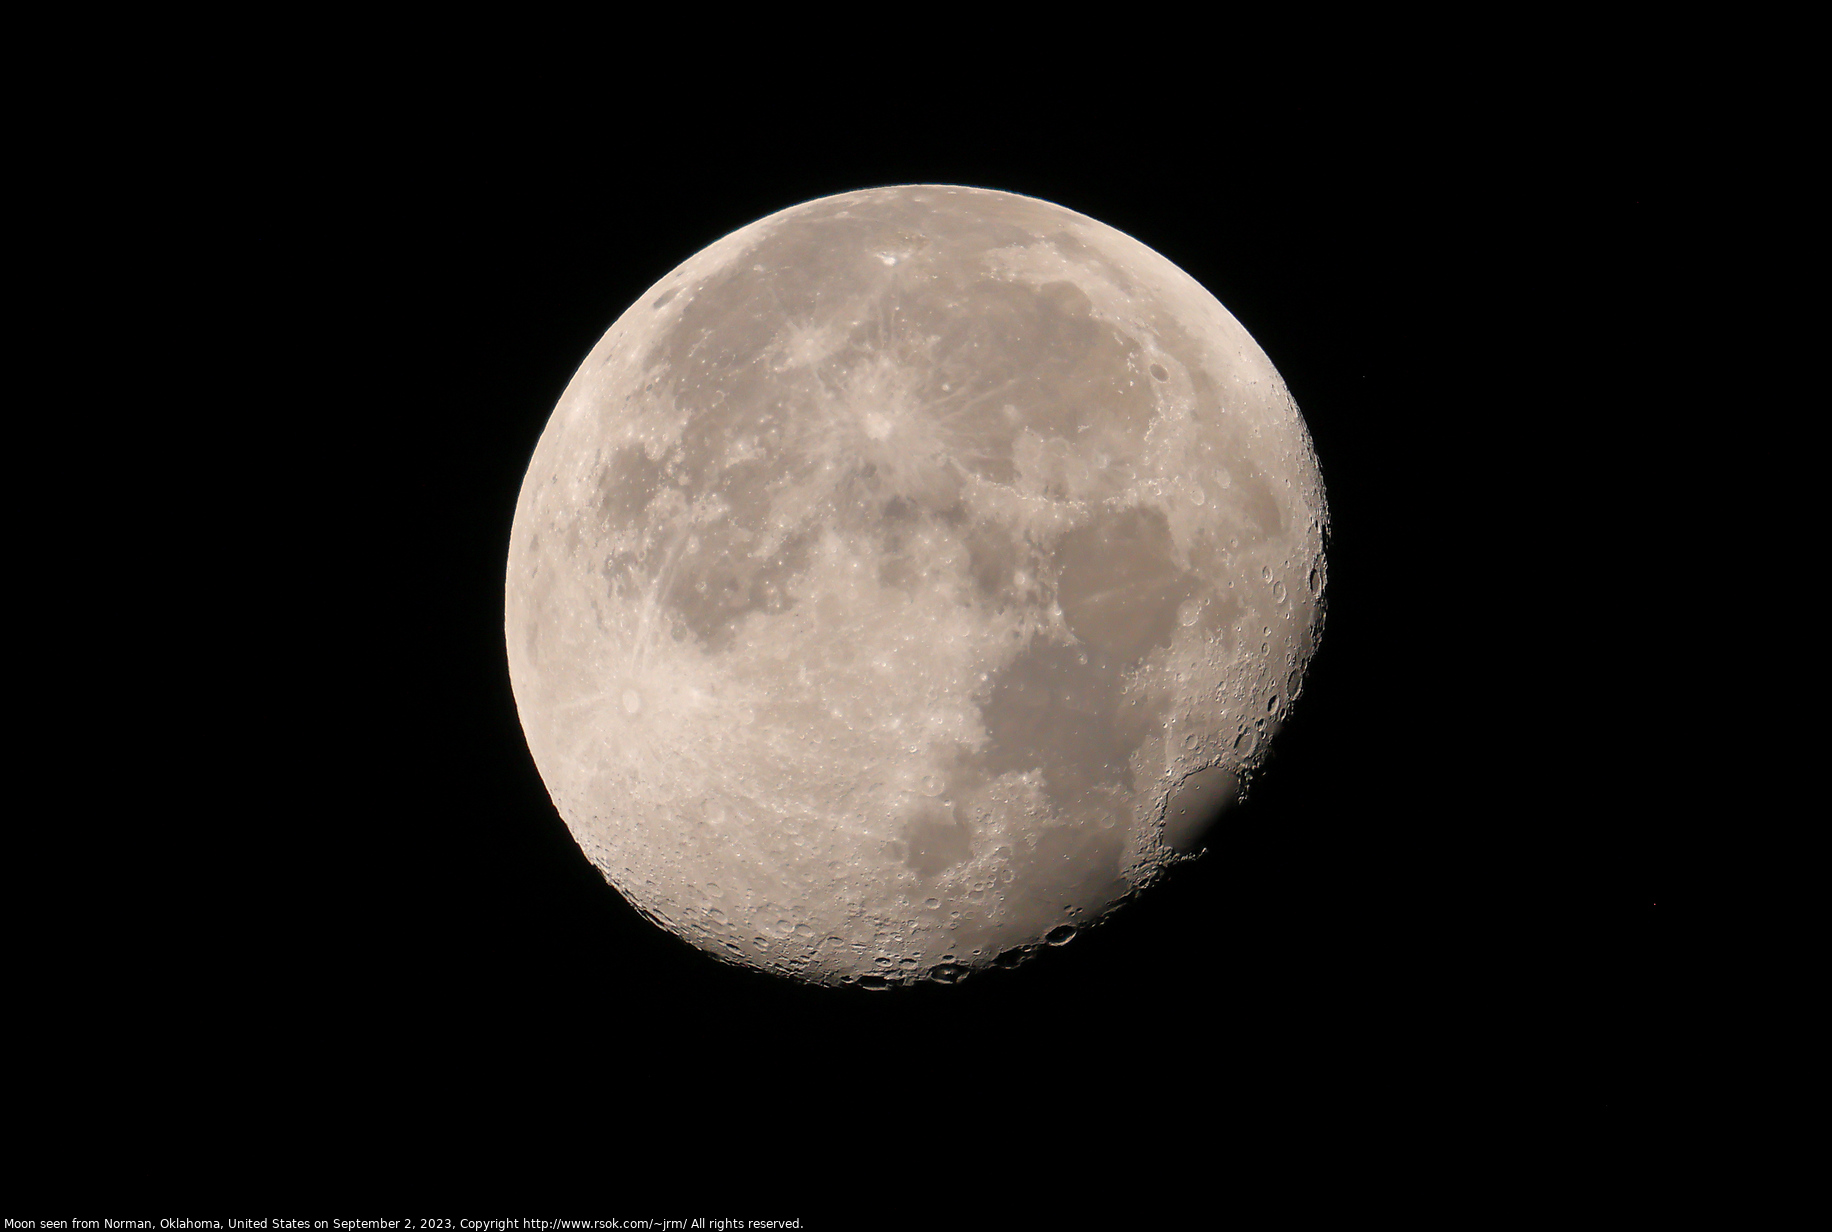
[(907, 580)]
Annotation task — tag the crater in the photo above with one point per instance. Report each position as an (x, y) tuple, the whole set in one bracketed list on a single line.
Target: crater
[(1197, 804)]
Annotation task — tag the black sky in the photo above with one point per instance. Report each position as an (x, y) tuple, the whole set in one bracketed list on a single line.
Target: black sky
[(1437, 909)]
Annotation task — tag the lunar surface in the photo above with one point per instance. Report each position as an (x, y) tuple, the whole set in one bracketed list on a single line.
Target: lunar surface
[(908, 579)]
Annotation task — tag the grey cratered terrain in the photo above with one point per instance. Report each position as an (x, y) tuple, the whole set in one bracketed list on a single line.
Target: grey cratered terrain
[(907, 579)]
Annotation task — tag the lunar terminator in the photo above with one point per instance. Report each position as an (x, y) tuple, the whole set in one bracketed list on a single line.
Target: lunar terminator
[(906, 580)]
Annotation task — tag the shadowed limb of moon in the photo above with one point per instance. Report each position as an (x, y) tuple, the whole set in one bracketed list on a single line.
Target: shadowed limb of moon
[(907, 579)]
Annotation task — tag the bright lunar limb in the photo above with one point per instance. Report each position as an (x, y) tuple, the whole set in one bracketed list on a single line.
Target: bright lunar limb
[(907, 579)]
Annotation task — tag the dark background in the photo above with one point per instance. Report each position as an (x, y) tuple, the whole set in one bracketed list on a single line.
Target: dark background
[(348, 904)]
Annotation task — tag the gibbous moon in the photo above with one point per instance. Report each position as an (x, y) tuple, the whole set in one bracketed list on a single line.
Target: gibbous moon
[(908, 579)]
